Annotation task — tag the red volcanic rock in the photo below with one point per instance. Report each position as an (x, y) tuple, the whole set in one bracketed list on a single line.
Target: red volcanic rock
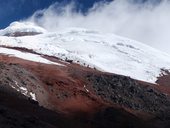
[(81, 97), (62, 91)]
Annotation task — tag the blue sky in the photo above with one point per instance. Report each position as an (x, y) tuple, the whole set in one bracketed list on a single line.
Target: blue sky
[(147, 23), (12, 10)]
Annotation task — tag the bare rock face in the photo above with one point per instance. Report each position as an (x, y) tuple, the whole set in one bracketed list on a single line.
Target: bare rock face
[(23, 81), (76, 97), (129, 93), (18, 34), (18, 110)]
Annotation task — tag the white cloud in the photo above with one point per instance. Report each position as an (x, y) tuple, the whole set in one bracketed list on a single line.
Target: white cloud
[(147, 23)]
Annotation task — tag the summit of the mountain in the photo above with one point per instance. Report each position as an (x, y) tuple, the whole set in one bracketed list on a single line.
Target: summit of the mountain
[(22, 29)]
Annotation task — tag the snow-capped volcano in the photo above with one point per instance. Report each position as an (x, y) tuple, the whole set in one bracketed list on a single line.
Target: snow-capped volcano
[(33, 73), (104, 51)]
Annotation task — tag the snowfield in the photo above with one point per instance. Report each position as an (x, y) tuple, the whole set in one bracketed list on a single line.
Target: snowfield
[(104, 51), (27, 56)]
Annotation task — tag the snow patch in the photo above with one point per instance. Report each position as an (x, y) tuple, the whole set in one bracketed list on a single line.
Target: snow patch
[(86, 88), (33, 96), (24, 91), (27, 56)]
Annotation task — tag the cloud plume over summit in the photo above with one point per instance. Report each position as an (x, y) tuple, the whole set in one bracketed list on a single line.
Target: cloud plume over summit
[(145, 22)]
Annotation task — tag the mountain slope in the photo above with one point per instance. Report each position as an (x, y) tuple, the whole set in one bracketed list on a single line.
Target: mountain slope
[(79, 97), (82, 78), (105, 52)]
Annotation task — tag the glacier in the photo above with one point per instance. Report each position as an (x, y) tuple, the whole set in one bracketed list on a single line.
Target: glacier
[(105, 52)]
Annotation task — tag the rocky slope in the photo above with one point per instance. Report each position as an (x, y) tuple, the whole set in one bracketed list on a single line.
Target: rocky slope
[(78, 97)]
